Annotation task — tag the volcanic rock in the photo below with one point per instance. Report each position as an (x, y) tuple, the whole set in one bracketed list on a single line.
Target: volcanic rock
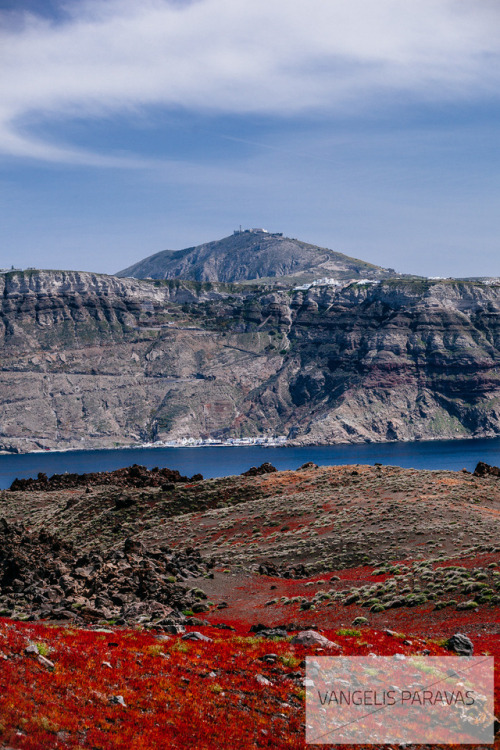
[(51, 580), (255, 471), (460, 644), (132, 476), (312, 638), (485, 470), (265, 632)]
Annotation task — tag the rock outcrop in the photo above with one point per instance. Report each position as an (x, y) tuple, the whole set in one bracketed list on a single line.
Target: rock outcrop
[(132, 476), (94, 361), (256, 471), (485, 470), (44, 577)]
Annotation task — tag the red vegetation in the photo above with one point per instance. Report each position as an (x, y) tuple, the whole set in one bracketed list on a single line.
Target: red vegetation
[(246, 597), (139, 689), (177, 694)]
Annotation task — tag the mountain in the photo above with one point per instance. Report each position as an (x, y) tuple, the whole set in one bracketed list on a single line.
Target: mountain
[(94, 361), (253, 254)]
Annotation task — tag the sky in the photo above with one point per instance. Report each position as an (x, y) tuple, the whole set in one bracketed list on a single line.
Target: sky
[(371, 128)]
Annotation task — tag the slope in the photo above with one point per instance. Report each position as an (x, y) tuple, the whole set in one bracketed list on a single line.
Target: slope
[(254, 254)]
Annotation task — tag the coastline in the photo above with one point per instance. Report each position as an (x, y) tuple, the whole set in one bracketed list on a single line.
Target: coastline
[(279, 441), (272, 442), (441, 455)]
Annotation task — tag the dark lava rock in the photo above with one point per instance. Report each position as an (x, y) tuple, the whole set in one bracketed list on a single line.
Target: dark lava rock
[(255, 471), (124, 502), (132, 476), (194, 635), (485, 470), (132, 545), (268, 569), (308, 465), (196, 622), (269, 658), (173, 629), (49, 579), (460, 644), (263, 631), (283, 571), (257, 628)]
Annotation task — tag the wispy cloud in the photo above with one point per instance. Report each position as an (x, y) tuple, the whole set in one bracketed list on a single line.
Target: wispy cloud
[(266, 57)]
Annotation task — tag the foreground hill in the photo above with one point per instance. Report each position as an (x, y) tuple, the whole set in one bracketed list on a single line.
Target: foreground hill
[(95, 361), (251, 255), (411, 542), (374, 560)]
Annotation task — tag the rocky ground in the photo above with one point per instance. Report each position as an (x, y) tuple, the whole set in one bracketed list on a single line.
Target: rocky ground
[(351, 552), (44, 578), (300, 530)]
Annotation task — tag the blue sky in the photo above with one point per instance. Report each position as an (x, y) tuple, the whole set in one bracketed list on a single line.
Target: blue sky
[(372, 128)]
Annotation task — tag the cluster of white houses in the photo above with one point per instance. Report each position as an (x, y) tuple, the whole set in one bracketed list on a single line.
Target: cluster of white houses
[(333, 282), (269, 440)]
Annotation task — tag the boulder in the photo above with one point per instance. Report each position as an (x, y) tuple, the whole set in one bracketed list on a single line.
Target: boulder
[(255, 471), (312, 638), (195, 635), (264, 632), (118, 700), (485, 470), (262, 680), (460, 644)]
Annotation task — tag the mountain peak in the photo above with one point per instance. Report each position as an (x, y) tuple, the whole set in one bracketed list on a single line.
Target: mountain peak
[(254, 255)]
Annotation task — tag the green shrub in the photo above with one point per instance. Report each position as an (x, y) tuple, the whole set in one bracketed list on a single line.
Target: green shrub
[(360, 621)]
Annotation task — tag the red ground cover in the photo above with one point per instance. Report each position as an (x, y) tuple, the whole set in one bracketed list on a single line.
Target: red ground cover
[(177, 694), (247, 596)]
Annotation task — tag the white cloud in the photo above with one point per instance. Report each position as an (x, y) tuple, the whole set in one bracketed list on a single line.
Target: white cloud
[(284, 57)]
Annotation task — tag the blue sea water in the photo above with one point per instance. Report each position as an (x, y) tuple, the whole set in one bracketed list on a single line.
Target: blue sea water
[(451, 455)]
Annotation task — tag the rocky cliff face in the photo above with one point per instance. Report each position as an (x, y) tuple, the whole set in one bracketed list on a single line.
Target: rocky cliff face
[(95, 361)]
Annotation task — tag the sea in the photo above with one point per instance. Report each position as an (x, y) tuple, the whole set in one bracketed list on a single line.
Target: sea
[(450, 455)]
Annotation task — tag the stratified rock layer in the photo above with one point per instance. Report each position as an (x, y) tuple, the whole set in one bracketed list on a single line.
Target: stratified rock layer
[(95, 361)]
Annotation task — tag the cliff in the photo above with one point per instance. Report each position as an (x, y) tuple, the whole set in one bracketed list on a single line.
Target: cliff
[(96, 361)]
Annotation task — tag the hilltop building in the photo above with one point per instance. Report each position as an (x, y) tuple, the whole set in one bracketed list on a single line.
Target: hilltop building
[(256, 230)]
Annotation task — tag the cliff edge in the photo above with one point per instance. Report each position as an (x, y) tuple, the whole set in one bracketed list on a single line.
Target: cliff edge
[(94, 361)]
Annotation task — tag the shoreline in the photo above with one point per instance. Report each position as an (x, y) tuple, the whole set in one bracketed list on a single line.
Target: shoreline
[(270, 443)]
